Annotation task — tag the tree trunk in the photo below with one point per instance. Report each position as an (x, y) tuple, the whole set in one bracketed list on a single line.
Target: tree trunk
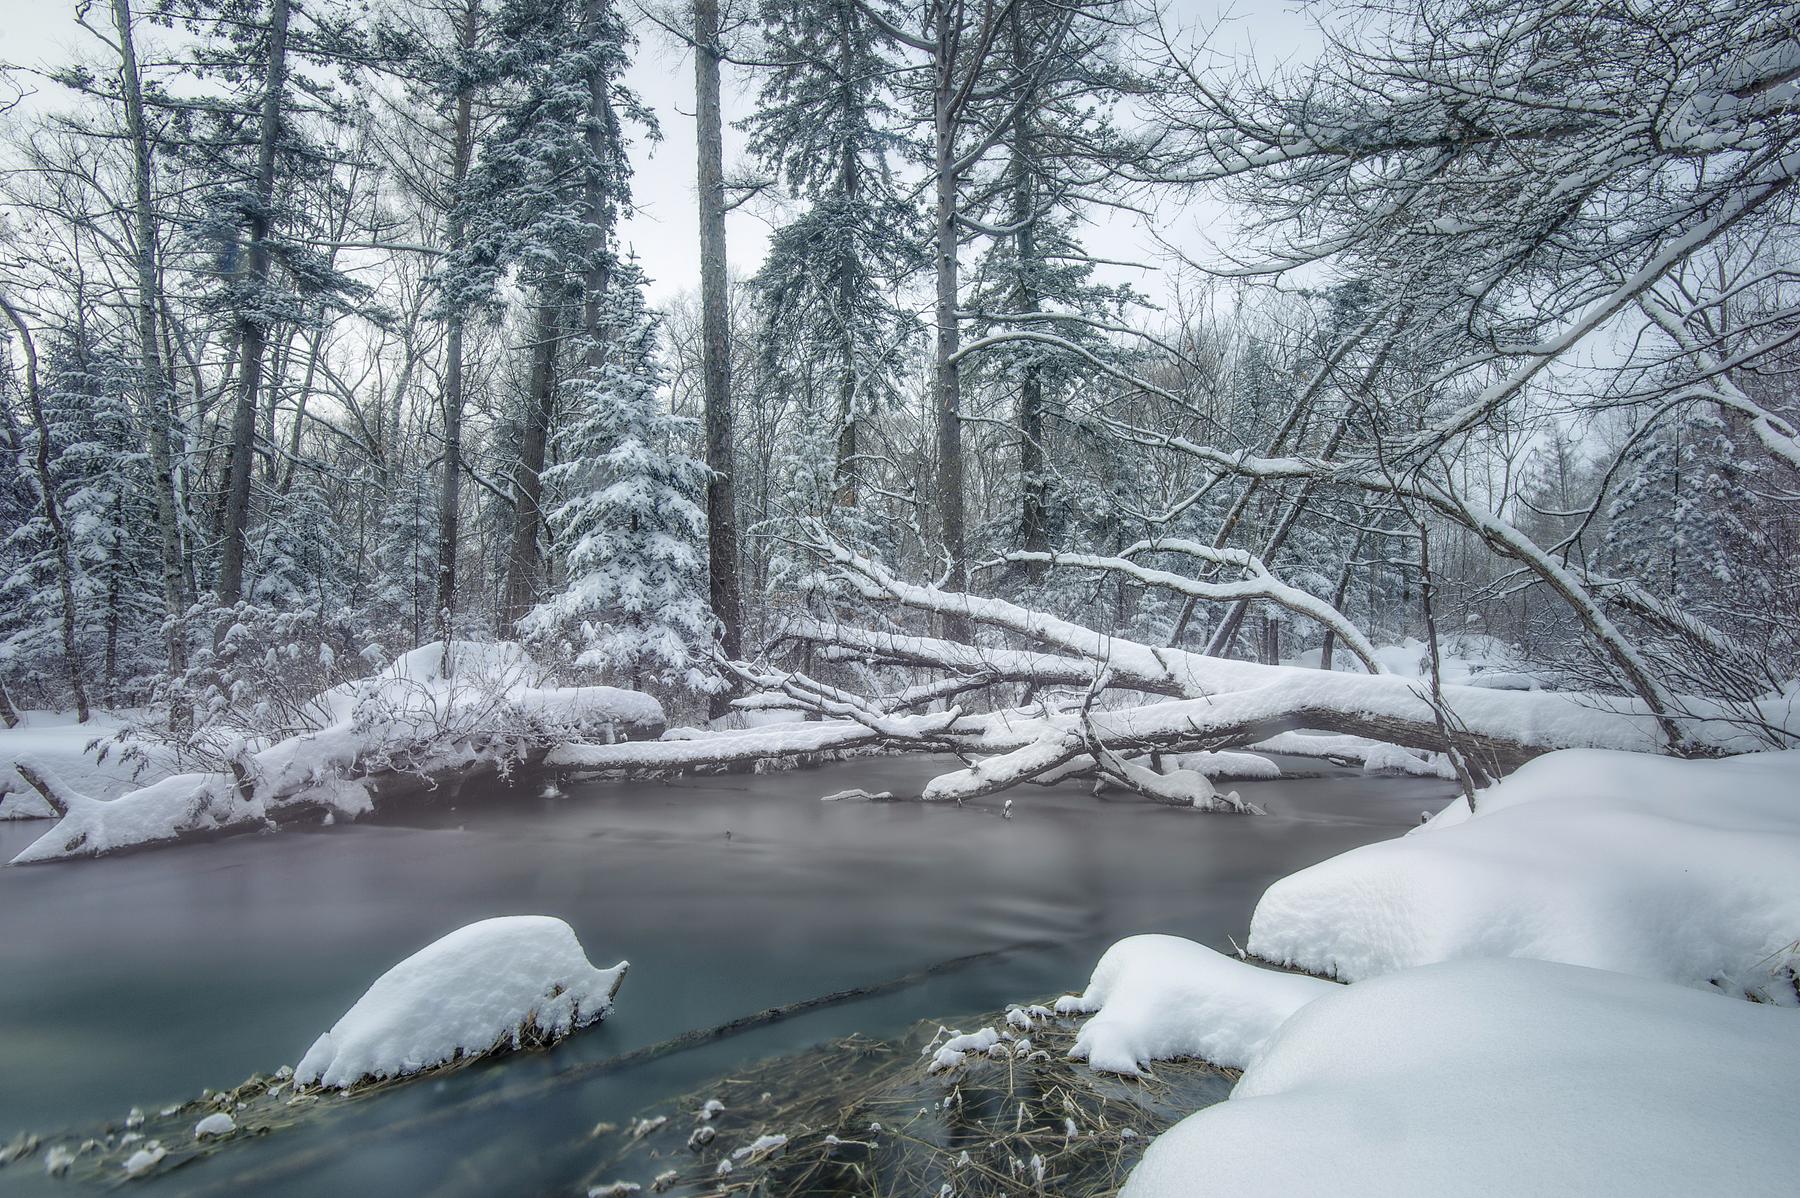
[(59, 533), (524, 562), (449, 513), (1338, 595), (157, 388), (846, 473), (946, 378), (715, 340), (1034, 532), (252, 326)]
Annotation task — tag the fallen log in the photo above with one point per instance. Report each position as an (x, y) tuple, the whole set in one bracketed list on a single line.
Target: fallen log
[(399, 735), (205, 813)]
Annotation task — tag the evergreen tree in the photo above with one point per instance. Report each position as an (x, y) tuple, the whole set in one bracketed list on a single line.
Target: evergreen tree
[(825, 126), (260, 130), (629, 530), (544, 198)]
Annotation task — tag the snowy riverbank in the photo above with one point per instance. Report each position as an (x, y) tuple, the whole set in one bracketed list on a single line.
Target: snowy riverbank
[(1557, 1002), (407, 728)]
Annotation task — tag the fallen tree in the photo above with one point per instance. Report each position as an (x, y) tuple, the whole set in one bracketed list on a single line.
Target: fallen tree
[(1118, 710), (410, 730)]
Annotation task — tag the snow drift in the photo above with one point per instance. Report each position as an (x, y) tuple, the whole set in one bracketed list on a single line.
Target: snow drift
[(1162, 998), (492, 986), (1501, 1077), (1679, 870)]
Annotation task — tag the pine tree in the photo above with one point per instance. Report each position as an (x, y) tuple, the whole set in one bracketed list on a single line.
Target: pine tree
[(824, 125), (259, 130), (543, 199), (629, 530)]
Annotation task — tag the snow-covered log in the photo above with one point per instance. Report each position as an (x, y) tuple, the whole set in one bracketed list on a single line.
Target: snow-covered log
[(1142, 703), (409, 730), (1258, 584), (726, 748)]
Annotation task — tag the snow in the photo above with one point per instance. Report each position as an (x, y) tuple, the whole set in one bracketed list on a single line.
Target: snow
[(144, 1159), (1464, 658), (761, 1148), (408, 717), (855, 792), (1678, 870), (683, 748), (482, 988), (216, 1124), (1224, 764), (56, 740), (1491, 1077), (957, 1048), (1161, 997)]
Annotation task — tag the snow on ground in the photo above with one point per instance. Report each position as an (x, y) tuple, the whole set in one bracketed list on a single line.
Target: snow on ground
[(486, 987), (1466, 659), (1679, 870), (54, 738), (216, 1124), (1501, 1077), (1160, 998)]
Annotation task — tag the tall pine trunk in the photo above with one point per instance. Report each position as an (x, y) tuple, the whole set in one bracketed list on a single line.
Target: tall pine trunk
[(1034, 532), (449, 513), (946, 379), (524, 560), (158, 392), (715, 340), (846, 481), (252, 324)]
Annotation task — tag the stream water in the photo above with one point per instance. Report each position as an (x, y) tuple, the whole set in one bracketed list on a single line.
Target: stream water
[(139, 980)]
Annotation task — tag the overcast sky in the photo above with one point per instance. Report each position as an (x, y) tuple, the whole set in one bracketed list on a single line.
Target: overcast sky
[(663, 233)]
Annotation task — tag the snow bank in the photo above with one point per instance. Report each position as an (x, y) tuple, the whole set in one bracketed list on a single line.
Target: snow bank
[(1501, 1077), (56, 740), (1679, 870), (491, 986), (1162, 998), (405, 725)]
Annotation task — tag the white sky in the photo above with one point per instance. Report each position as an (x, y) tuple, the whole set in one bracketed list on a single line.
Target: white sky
[(43, 33)]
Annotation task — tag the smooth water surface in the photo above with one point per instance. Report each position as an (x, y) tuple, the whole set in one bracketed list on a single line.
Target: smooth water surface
[(141, 979)]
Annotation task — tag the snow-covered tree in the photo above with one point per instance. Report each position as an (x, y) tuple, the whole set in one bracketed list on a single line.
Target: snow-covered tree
[(825, 126), (629, 531)]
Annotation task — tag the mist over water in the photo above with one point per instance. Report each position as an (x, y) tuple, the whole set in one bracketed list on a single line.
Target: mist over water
[(140, 980)]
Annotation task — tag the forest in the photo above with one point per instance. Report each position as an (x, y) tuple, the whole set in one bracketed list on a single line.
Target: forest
[(323, 345), (1031, 391)]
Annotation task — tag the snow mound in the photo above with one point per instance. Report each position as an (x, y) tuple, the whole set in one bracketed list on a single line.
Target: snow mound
[(1501, 1077), (1161, 998), (1225, 764), (216, 1124), (491, 986), (1678, 870)]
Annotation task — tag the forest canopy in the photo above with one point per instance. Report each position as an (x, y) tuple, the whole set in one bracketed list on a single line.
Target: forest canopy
[(322, 343)]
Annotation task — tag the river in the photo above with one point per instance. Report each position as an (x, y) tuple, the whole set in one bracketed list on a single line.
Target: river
[(141, 979)]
